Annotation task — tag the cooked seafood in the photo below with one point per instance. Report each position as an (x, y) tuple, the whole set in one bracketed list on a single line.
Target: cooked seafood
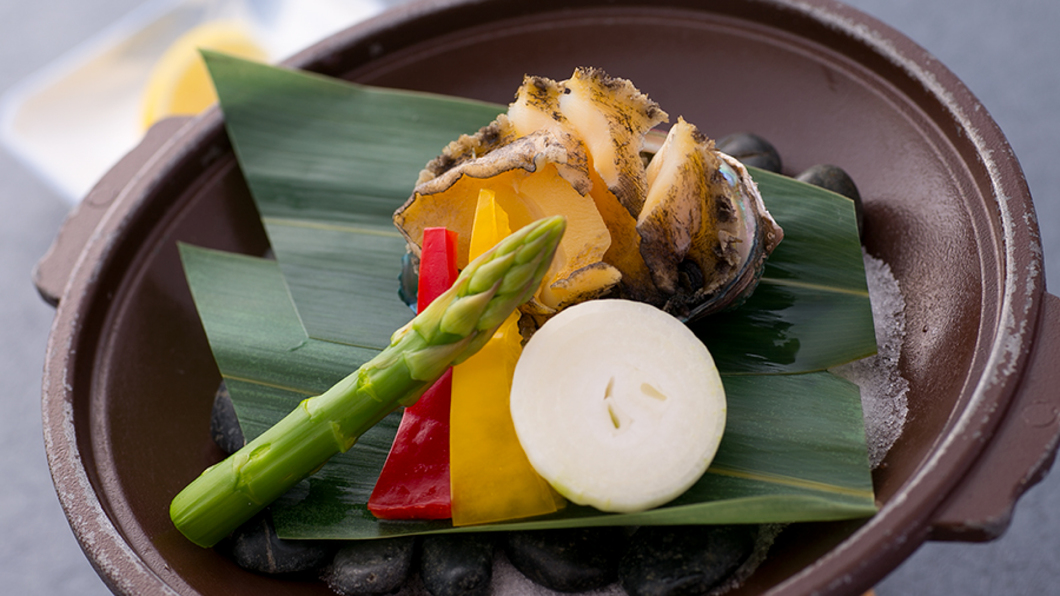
[(687, 232)]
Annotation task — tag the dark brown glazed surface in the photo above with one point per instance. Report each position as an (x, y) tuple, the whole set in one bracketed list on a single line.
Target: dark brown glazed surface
[(129, 376)]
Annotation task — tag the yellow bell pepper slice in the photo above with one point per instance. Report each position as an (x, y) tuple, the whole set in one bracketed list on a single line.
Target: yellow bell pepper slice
[(491, 478)]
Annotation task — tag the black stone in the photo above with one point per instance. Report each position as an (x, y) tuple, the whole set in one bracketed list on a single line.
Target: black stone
[(224, 425), (680, 560), (752, 150), (409, 279), (256, 547), (569, 560), (457, 564), (838, 181), (369, 567)]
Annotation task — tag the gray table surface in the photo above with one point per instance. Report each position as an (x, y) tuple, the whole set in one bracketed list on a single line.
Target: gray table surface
[(1008, 53)]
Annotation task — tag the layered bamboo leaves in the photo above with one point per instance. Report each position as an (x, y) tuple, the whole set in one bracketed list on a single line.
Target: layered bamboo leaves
[(328, 162), (327, 172)]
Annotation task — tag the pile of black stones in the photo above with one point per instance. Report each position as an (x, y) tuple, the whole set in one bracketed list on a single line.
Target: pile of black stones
[(644, 561)]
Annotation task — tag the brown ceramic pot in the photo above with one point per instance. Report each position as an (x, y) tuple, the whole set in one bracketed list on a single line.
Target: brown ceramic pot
[(129, 377)]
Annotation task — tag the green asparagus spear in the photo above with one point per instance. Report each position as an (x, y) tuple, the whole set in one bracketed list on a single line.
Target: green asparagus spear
[(447, 332)]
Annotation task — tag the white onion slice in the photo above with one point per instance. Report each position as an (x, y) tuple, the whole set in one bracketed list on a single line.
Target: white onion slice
[(618, 405)]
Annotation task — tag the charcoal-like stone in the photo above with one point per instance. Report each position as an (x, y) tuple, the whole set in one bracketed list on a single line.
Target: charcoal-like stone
[(371, 567), (752, 150), (568, 560), (256, 547), (224, 425), (457, 564), (409, 279), (680, 560), (835, 179)]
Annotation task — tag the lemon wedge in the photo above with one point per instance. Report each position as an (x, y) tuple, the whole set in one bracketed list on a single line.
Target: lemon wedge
[(179, 83)]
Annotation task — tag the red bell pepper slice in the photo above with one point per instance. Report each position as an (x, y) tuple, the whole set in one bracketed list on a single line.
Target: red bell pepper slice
[(414, 482), (437, 265)]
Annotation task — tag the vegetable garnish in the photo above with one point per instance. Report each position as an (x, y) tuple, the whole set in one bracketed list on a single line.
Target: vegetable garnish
[(618, 405), (452, 328), (492, 479), (414, 482)]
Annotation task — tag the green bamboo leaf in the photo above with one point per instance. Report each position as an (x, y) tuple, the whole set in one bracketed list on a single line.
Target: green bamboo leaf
[(811, 310), (785, 329), (793, 450), (821, 247), (266, 359), (327, 168)]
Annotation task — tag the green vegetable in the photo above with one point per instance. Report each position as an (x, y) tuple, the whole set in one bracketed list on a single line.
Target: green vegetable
[(447, 332)]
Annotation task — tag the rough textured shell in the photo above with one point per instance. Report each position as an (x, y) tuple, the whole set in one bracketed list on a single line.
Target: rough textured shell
[(705, 230)]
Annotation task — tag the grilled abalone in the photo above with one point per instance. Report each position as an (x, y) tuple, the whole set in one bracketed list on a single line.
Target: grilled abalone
[(705, 230), (687, 232)]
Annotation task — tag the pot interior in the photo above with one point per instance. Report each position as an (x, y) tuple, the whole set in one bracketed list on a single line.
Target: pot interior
[(145, 378)]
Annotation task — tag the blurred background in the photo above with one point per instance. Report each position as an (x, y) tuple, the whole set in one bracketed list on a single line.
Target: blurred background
[(1006, 53)]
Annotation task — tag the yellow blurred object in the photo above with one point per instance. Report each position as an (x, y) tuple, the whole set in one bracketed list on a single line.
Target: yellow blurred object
[(491, 478), (179, 83)]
